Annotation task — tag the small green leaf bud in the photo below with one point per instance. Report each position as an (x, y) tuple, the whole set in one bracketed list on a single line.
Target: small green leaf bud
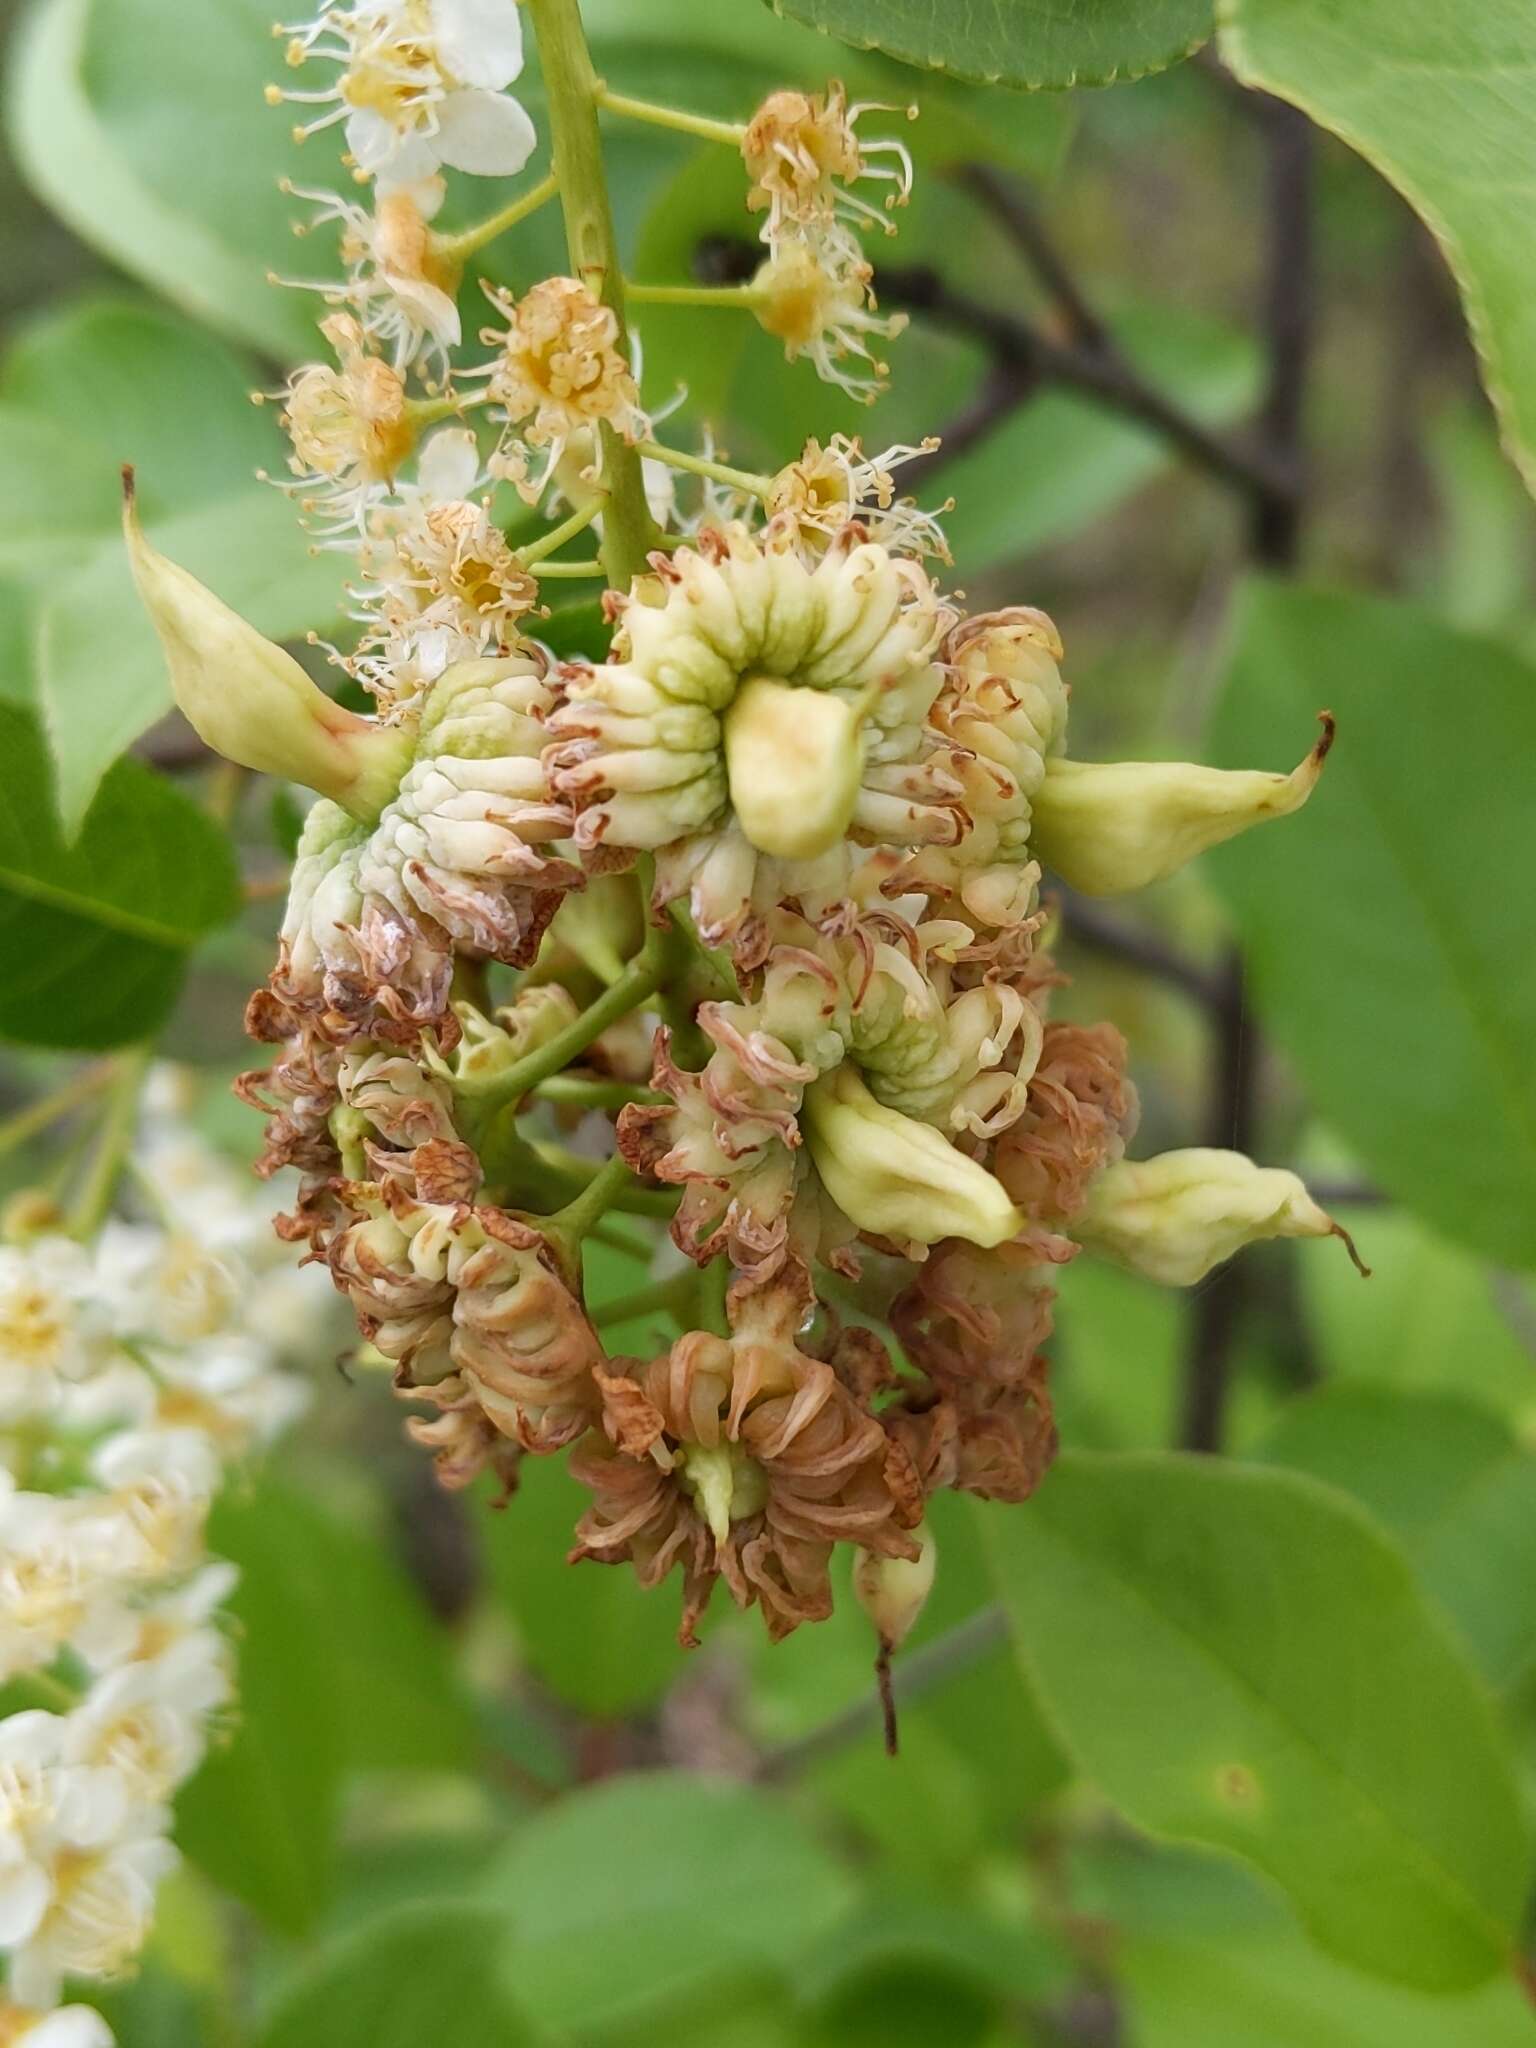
[(1109, 826), (895, 1176), (1174, 1217), (252, 702)]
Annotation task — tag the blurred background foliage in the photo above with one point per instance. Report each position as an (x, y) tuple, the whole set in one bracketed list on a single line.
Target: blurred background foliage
[(473, 1790)]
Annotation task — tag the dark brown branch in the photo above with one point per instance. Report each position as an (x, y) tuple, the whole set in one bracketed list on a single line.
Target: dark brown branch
[(1219, 1309), (1109, 378), (1007, 201), (911, 1677), (1135, 945)]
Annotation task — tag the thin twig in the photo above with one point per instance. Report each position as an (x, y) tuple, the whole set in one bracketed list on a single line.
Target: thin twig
[(1218, 1310), (1007, 201), (1135, 945), (911, 1677)]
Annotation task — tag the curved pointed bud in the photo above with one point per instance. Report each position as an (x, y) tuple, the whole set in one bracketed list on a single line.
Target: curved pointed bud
[(726, 1485), (252, 702), (1109, 826), (893, 1590), (794, 761), (1174, 1217), (897, 1177)]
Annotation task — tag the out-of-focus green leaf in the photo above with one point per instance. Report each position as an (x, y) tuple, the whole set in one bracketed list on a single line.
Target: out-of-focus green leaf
[(1443, 104), (422, 1973), (1484, 575), (15, 651), (1389, 914), (95, 935), (625, 1894), (1428, 1321), (1207, 1959), (1238, 1657), (1456, 1488), (590, 1631), (148, 135), (139, 385), (339, 1670), (1062, 461), (1017, 42), (101, 671)]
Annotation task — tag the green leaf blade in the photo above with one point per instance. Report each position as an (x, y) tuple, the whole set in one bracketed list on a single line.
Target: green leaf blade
[(1389, 912), (1240, 1659)]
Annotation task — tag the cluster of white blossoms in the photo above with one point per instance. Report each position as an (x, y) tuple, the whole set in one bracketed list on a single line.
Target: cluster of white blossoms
[(734, 920), (131, 1378)]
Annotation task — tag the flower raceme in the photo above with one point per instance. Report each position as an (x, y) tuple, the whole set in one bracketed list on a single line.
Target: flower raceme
[(733, 922), (131, 1379)]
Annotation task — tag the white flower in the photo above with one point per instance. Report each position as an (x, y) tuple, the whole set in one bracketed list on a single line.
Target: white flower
[(66, 2026), (54, 1584), (401, 279), (172, 1629), (167, 1285), (422, 84), (145, 1722), (227, 1390), (100, 1911), (46, 1806), (50, 1331), (159, 1486)]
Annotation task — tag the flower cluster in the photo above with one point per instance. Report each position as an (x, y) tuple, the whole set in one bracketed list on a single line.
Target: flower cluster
[(130, 1378), (736, 922)]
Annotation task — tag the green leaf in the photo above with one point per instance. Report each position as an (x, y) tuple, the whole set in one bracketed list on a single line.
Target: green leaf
[(423, 1973), (1239, 1658), (1206, 1959), (184, 201), (1456, 1488), (339, 1670), (1385, 914), (627, 1893), (101, 670), (1442, 102), (1017, 42), (139, 385), (1428, 1320), (1063, 460), (590, 1631), (95, 935)]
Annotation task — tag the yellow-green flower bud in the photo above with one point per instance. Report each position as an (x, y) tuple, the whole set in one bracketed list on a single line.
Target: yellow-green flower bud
[(897, 1177), (894, 1590), (1113, 825), (1174, 1217), (794, 763), (252, 702)]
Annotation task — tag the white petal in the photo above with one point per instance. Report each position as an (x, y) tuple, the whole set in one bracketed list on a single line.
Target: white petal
[(479, 42), (449, 464), (24, 1895), (69, 2026), (485, 133)]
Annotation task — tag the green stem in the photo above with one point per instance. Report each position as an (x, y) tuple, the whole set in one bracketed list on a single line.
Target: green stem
[(49, 1692), (638, 981), (583, 1093), (116, 1135), (700, 465), (632, 1198), (721, 296), (673, 1296), (584, 568), (728, 132), (557, 536), (458, 248), (48, 1109), (572, 89)]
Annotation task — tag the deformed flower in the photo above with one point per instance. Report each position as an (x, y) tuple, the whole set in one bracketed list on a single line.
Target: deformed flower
[(742, 670), (828, 487), (743, 1457), (818, 299), (351, 427)]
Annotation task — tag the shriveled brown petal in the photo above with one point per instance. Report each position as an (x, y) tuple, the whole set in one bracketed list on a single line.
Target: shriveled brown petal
[(1079, 1114), (973, 1314)]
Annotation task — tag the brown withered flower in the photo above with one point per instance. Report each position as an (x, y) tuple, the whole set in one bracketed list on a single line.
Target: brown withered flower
[(747, 1459)]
